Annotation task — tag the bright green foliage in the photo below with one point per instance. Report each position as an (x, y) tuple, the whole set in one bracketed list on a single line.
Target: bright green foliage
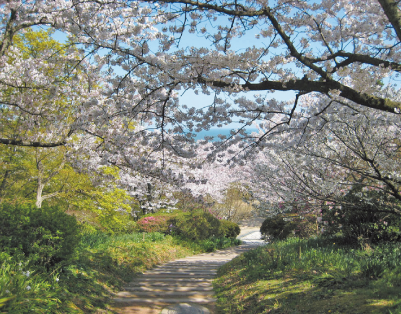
[(229, 229), (46, 236), (104, 205), (363, 217), (24, 291), (277, 228), (28, 173), (33, 43), (13, 173), (112, 210), (197, 225)]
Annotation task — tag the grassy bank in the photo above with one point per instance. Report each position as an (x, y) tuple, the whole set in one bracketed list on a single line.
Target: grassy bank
[(312, 276), (103, 264)]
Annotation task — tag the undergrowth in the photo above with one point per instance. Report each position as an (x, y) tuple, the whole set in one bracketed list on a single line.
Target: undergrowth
[(312, 276), (103, 264)]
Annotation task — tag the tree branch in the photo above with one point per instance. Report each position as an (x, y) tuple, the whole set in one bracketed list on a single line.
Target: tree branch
[(393, 14), (383, 104), (8, 141)]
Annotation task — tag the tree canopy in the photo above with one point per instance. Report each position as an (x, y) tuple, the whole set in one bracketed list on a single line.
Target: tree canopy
[(330, 49), (113, 89)]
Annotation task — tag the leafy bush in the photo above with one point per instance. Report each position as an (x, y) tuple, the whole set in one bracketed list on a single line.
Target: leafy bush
[(155, 223), (194, 225), (304, 225), (276, 228), (46, 236), (363, 216), (197, 225), (229, 229)]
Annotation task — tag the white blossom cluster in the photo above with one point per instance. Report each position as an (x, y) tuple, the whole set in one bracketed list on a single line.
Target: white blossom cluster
[(115, 94)]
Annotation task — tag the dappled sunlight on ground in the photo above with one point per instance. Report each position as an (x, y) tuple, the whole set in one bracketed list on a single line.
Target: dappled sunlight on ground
[(247, 286)]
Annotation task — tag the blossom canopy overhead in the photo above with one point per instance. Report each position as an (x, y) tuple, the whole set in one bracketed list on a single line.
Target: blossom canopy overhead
[(136, 57)]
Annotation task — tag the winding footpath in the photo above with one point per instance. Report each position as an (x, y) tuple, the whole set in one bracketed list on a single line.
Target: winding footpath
[(184, 285)]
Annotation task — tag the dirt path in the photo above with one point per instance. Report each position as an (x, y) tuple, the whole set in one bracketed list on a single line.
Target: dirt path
[(181, 286)]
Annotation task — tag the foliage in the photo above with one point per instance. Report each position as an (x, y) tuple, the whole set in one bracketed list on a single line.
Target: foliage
[(106, 262), (277, 227), (236, 204), (311, 276), (298, 217), (338, 75), (229, 229), (114, 214), (46, 236), (305, 225), (363, 216), (25, 291), (97, 199), (216, 243), (197, 225), (156, 223)]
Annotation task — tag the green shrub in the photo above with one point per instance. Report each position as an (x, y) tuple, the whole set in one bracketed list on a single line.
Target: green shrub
[(362, 216), (46, 236), (117, 223), (276, 228), (305, 225), (194, 225), (197, 225), (229, 229)]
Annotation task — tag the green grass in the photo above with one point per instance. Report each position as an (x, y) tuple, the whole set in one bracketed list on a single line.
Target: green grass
[(312, 276), (106, 263), (103, 264)]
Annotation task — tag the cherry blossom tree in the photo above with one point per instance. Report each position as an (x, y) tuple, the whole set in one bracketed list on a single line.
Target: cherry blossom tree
[(136, 58), (360, 151), (331, 49)]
